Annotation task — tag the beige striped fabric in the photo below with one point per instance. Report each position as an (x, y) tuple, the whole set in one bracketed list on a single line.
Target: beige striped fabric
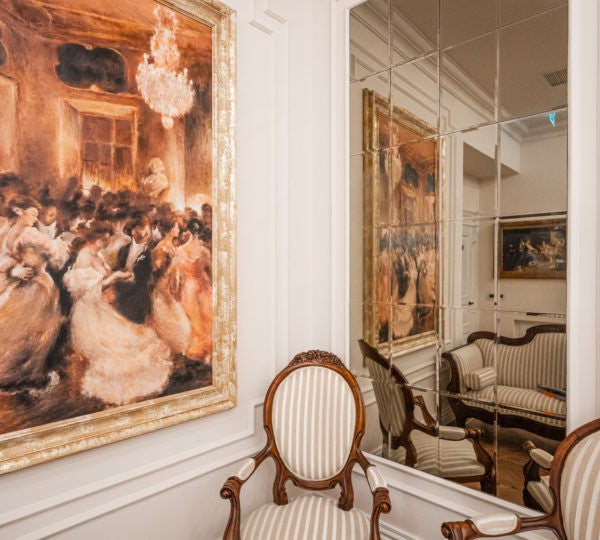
[(445, 458), (389, 397), (480, 378), (246, 469), (580, 490), (448, 459), (496, 524), (486, 346), (541, 361), (452, 433), (309, 517), (541, 457), (314, 419), (375, 478), (395, 454), (468, 359), (522, 398), (540, 491)]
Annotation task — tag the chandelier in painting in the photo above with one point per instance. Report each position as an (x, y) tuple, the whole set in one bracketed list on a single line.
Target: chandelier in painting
[(165, 89)]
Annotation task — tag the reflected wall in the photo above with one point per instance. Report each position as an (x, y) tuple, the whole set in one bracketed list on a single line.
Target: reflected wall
[(458, 216)]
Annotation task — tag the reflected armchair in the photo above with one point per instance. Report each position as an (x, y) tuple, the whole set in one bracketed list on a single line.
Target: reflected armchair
[(574, 489), (536, 490), (314, 419), (450, 452)]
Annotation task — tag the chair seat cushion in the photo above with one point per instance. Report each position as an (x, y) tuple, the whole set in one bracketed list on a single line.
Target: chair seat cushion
[(441, 457), (448, 459), (308, 517), (522, 398), (540, 491)]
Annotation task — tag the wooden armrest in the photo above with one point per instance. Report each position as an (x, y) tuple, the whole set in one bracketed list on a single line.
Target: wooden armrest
[(454, 433), (489, 525), (375, 478), (539, 456), (381, 495), (494, 525), (429, 420), (231, 490)]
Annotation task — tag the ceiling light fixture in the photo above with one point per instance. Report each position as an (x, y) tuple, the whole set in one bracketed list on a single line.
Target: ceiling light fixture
[(166, 90)]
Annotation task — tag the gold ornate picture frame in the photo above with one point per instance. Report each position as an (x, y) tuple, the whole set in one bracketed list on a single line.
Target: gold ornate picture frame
[(203, 208), (534, 249), (400, 238)]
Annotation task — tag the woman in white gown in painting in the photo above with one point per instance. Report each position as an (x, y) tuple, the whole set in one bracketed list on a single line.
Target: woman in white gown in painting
[(29, 314), (168, 317), (127, 361)]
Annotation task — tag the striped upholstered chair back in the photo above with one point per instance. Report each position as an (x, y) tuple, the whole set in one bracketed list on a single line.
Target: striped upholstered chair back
[(580, 486), (314, 421), (391, 393), (315, 414)]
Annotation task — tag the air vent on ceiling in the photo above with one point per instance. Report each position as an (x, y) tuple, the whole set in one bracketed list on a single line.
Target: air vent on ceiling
[(556, 78)]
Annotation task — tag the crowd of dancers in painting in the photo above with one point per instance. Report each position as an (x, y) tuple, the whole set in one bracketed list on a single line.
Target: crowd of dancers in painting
[(120, 284)]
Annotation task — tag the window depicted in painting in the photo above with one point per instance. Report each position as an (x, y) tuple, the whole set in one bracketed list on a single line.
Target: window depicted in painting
[(106, 181), (400, 240)]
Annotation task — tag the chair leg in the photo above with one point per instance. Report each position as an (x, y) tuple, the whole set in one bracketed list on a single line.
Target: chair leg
[(488, 483)]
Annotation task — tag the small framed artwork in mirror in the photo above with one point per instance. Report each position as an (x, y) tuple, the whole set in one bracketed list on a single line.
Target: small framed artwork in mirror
[(533, 249), (400, 233)]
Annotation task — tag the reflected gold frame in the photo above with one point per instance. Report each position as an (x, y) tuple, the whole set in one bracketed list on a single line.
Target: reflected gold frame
[(43, 443), (373, 103), (535, 273)]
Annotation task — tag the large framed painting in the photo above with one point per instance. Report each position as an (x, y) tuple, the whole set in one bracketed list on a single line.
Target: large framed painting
[(533, 249), (400, 266), (117, 221)]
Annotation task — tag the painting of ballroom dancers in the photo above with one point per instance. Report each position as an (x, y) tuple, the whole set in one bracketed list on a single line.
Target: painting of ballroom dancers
[(406, 282), (400, 212), (105, 300)]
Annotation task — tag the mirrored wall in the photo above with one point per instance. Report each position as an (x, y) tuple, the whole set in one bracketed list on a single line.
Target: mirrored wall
[(458, 220)]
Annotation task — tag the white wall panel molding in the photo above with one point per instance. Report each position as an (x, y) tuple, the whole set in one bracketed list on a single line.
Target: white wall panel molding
[(265, 18), (96, 499), (269, 19)]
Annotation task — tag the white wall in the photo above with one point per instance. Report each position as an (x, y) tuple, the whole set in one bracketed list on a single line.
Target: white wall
[(166, 484)]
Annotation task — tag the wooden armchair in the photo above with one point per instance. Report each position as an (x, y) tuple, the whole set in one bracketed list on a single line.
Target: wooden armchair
[(449, 452), (575, 492), (314, 419)]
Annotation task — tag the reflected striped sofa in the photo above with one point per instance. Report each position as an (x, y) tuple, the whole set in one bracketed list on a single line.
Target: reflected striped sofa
[(501, 375)]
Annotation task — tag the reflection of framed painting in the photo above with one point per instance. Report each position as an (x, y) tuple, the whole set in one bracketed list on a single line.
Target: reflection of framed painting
[(117, 221), (533, 249), (400, 236)]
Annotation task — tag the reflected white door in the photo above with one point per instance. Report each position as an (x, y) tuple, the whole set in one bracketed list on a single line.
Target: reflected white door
[(470, 240)]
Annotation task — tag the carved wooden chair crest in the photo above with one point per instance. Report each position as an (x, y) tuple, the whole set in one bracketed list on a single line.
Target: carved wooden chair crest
[(575, 492), (314, 419), (449, 452)]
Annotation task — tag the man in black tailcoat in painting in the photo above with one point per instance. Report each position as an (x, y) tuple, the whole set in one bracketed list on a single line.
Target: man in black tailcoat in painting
[(133, 298)]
